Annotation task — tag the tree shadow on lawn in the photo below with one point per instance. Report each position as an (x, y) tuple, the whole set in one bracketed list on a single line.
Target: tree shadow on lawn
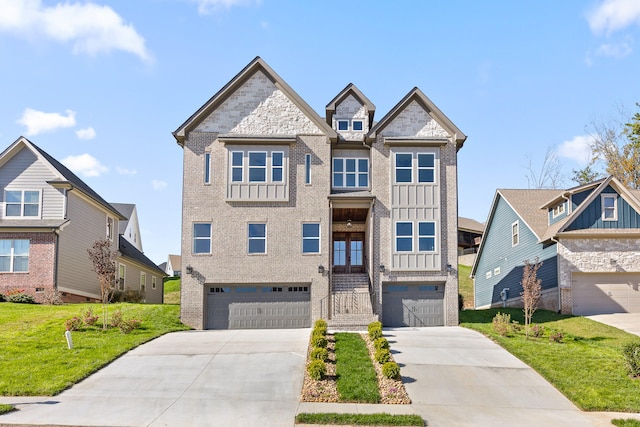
[(517, 314)]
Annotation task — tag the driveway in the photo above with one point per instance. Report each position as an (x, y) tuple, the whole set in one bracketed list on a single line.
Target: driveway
[(192, 378), (629, 322)]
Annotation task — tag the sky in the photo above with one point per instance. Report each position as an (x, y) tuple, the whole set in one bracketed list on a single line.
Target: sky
[(100, 85)]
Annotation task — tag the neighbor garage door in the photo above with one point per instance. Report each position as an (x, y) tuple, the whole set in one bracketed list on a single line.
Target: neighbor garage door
[(258, 307), (600, 293), (412, 305)]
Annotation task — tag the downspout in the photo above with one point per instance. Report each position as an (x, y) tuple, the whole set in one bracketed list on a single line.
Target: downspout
[(553, 239), (330, 266), (55, 259)]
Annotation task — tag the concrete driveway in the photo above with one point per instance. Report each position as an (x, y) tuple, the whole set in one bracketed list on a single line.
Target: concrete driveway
[(629, 322), (192, 378)]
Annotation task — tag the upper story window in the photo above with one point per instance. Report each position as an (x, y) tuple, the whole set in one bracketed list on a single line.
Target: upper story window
[(22, 203), (258, 166), (207, 168), (426, 167), (350, 172), (350, 125), (258, 173), (558, 210), (202, 238), (404, 237), (14, 255), (237, 170), (311, 238), (110, 228), (307, 168), (343, 124), (515, 233), (404, 167), (357, 125), (426, 236), (257, 238), (277, 165), (609, 207)]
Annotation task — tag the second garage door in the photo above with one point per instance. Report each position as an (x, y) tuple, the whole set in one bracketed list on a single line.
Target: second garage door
[(413, 305), (601, 293), (258, 307)]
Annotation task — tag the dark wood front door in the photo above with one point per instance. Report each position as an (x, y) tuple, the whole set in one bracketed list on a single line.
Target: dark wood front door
[(348, 252)]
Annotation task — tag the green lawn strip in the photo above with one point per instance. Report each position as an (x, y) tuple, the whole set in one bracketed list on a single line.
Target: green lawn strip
[(356, 377), (380, 419), (587, 367), (35, 360), (465, 284), (5, 408), (619, 422), (172, 291)]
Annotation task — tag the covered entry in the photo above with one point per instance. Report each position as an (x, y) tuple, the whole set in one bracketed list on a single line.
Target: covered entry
[(602, 293), (258, 307), (409, 304)]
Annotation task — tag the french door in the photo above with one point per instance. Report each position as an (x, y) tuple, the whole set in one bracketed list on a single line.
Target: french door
[(348, 253)]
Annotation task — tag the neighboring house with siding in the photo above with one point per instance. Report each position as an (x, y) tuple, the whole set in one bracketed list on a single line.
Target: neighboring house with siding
[(587, 238), (49, 219), (289, 217), (174, 266), (469, 235)]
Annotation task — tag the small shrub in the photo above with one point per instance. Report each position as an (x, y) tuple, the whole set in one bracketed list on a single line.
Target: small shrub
[(21, 298), (317, 369), (375, 330), (319, 353), (381, 343), (116, 318), (51, 296), (556, 337), (126, 326), (320, 324), (502, 323), (391, 370), (382, 356), (89, 318), (320, 330), (73, 324), (319, 341), (537, 331), (631, 353), (516, 326)]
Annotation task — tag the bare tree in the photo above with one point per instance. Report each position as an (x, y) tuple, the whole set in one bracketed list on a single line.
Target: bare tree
[(531, 291), (549, 175), (103, 259)]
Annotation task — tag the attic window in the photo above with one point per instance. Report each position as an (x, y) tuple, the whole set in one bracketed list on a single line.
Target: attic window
[(558, 210), (343, 124), (609, 207), (357, 125)]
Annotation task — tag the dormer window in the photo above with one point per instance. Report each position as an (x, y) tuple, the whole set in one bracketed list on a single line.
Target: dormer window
[(357, 125), (351, 125), (558, 210), (343, 124)]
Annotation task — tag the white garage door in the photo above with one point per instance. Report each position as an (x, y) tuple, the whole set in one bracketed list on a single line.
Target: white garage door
[(258, 307), (602, 293)]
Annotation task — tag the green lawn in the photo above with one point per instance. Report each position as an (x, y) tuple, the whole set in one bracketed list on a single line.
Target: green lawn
[(35, 360), (356, 377), (172, 290), (380, 419), (465, 285), (587, 366)]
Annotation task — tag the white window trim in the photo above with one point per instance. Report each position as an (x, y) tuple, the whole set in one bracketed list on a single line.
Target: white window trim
[(266, 168), (395, 236), (496, 271), (615, 206), (194, 238), (110, 230), (232, 167), (23, 190), (153, 282), (433, 168), (122, 277), (272, 167), (207, 168), (338, 121), (319, 238), (516, 234), (435, 236), (558, 210), (357, 120), (307, 169), (249, 238), (395, 168), (143, 281), (12, 256), (487, 275), (344, 172)]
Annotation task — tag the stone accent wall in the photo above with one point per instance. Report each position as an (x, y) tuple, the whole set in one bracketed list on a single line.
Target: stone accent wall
[(41, 265), (415, 121), (592, 255), (350, 109)]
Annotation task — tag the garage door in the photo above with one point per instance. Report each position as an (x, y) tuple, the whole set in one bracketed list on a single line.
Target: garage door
[(601, 293), (258, 307), (413, 305)]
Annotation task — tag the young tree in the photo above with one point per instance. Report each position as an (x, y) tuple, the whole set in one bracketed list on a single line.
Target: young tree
[(531, 290), (550, 174), (585, 175), (103, 259)]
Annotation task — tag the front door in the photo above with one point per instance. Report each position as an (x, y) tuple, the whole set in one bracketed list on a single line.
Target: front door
[(348, 252)]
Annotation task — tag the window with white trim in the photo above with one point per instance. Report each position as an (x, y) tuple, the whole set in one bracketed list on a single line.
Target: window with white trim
[(22, 203), (307, 169), (426, 167), (257, 166), (201, 238), (153, 282), (609, 207), (558, 210), (515, 233), (121, 276), (311, 238), (427, 236), (357, 125), (277, 166), (110, 223), (404, 167), (257, 238), (350, 172), (143, 281), (404, 237), (207, 168), (237, 160), (14, 255), (343, 124)]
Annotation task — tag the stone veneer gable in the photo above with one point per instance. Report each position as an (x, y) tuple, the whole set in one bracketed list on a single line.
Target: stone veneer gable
[(414, 121)]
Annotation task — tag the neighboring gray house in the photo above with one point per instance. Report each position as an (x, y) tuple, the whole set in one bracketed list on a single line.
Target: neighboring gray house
[(49, 219), (173, 266), (587, 238), (289, 217)]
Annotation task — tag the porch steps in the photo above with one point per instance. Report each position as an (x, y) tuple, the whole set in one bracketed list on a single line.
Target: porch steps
[(350, 282), (351, 322), (351, 303)]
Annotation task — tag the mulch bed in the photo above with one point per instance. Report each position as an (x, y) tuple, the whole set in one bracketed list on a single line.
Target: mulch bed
[(392, 391)]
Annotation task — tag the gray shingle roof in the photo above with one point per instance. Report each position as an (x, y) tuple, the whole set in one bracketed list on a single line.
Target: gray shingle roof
[(129, 251)]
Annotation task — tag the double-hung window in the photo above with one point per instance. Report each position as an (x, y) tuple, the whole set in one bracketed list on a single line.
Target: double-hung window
[(237, 174), (404, 167), (426, 236), (14, 255), (350, 173), (257, 167), (404, 237), (426, 167), (22, 203), (122, 269), (515, 233), (609, 207), (311, 238), (277, 166), (143, 281), (257, 238), (202, 238)]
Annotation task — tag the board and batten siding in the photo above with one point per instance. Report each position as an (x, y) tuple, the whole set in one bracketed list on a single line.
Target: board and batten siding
[(87, 223), (500, 264), (24, 171), (591, 217)]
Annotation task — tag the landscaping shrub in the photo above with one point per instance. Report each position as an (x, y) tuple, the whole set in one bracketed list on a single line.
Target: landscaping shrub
[(391, 370), (556, 337), (51, 296), (21, 298), (381, 343), (73, 324), (382, 356), (320, 324), (318, 341), (126, 326), (116, 318), (516, 326), (375, 330), (317, 369), (631, 353), (320, 353), (319, 330), (129, 295), (502, 323), (89, 318), (537, 330)]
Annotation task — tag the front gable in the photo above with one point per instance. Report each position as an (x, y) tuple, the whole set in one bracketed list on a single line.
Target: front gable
[(598, 214), (416, 122)]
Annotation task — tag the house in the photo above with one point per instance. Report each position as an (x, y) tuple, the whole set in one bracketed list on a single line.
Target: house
[(49, 219), (173, 265), (289, 217), (586, 237), (469, 235)]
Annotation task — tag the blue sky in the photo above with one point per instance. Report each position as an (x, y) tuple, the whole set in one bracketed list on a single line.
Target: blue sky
[(101, 85)]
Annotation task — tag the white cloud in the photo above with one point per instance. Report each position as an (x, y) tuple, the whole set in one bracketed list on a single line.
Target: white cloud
[(125, 171), (614, 50), (613, 15), (85, 165), (578, 149), (39, 121), (91, 28), (206, 7), (158, 185), (86, 134)]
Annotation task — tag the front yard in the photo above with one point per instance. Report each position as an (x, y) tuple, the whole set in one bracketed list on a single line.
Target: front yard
[(586, 365)]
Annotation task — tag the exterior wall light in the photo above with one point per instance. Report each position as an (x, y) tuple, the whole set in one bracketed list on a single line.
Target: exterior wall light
[(189, 269), (321, 269), (382, 268)]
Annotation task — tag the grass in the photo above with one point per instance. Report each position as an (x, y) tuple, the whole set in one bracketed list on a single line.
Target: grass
[(587, 366), (172, 290), (465, 285), (356, 377), (619, 422), (5, 408), (380, 419), (35, 360)]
